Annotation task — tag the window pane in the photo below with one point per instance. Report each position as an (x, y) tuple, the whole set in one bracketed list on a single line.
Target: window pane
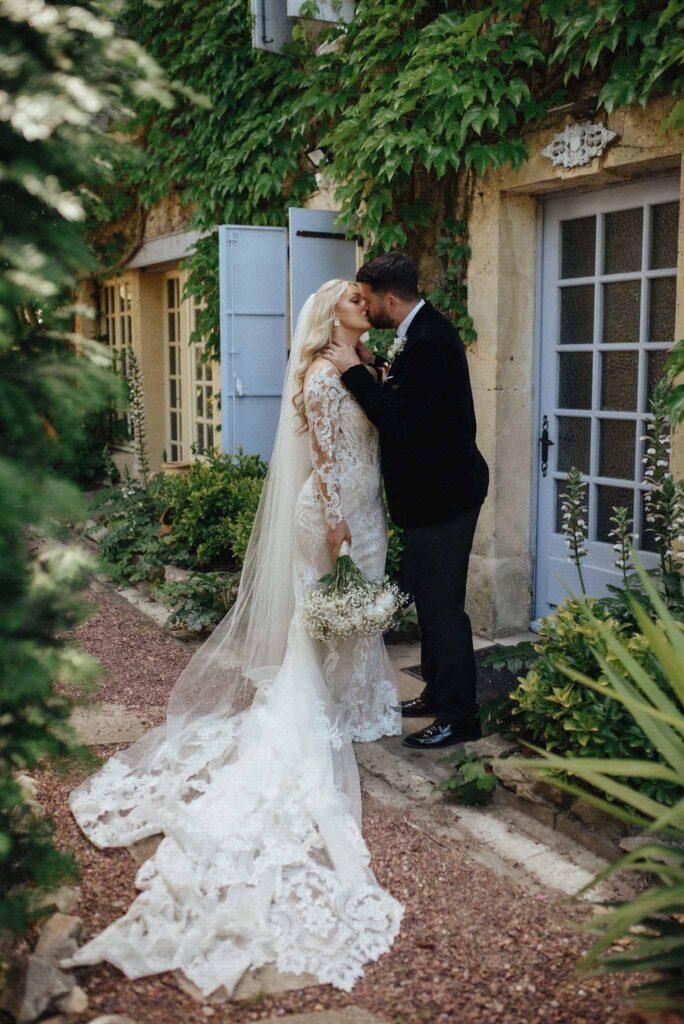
[(173, 394), (608, 497), (210, 437), (578, 247), (172, 359), (577, 315), (619, 378), (199, 405), (200, 436), (574, 435), (171, 321), (170, 293), (664, 230), (662, 320), (616, 452), (574, 380), (622, 243), (621, 312), (656, 362), (174, 425)]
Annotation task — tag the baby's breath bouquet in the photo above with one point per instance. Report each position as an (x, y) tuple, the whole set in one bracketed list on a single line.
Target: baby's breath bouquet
[(346, 603)]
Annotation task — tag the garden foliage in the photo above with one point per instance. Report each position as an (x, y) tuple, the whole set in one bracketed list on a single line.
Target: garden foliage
[(62, 68), (200, 519), (567, 718), (549, 708), (650, 928)]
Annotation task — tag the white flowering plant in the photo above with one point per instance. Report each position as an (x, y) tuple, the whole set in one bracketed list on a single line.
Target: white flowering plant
[(574, 520), (346, 603)]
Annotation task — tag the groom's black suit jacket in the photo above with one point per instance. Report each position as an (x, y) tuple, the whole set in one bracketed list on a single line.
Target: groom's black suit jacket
[(424, 411)]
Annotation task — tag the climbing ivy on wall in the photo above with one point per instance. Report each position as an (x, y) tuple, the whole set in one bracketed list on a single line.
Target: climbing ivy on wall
[(413, 102)]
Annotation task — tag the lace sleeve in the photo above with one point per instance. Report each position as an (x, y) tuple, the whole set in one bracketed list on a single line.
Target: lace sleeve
[(322, 396)]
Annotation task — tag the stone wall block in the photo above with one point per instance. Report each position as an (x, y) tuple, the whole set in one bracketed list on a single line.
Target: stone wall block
[(59, 936), (593, 817), (34, 984)]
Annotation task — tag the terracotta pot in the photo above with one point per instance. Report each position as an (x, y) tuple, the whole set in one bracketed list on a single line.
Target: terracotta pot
[(176, 467), (165, 523)]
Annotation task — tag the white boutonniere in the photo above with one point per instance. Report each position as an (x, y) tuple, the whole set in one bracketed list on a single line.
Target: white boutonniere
[(395, 348)]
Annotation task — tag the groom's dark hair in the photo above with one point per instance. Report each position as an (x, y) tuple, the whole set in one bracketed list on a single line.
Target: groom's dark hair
[(392, 272)]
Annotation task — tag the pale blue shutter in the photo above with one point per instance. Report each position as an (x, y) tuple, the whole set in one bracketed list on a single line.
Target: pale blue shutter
[(253, 306), (271, 26), (318, 253)]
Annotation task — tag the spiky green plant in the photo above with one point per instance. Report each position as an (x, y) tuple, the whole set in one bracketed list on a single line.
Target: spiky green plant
[(654, 921)]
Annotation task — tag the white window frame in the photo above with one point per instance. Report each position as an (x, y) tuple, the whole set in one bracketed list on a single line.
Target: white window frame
[(179, 449), (116, 327)]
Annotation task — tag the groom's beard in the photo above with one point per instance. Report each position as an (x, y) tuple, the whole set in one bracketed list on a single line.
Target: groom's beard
[(380, 321)]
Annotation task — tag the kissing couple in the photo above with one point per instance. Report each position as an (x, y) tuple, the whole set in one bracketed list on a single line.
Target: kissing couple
[(251, 783)]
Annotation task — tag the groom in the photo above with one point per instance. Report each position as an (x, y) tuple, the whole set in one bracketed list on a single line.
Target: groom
[(435, 479)]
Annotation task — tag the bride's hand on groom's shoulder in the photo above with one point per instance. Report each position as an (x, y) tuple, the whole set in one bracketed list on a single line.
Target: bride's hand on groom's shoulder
[(336, 536)]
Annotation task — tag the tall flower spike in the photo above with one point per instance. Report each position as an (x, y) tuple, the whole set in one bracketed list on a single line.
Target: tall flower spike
[(574, 520), (136, 414), (664, 499), (623, 537)]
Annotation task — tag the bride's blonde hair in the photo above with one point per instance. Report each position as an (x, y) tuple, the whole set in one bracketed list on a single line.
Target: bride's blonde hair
[(322, 316)]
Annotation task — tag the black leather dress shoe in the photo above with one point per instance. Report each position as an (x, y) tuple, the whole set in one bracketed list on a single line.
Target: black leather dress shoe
[(444, 734), (416, 708)]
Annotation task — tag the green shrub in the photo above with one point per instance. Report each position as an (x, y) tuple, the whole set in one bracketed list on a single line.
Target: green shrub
[(200, 602), (567, 718), (208, 511), (240, 528), (471, 783), (212, 505), (132, 549)]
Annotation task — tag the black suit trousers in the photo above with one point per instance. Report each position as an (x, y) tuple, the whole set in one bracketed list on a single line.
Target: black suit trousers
[(434, 570)]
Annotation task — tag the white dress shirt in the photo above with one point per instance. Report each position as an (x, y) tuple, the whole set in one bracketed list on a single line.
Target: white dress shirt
[(408, 320)]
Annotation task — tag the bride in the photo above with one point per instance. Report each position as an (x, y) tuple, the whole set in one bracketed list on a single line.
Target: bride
[(252, 780)]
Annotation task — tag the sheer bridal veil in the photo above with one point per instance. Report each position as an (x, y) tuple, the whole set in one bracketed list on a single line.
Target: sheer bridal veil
[(246, 649)]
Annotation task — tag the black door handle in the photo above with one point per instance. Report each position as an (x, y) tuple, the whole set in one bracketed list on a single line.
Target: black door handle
[(545, 443)]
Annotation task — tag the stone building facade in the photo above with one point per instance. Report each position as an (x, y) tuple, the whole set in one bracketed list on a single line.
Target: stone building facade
[(576, 287)]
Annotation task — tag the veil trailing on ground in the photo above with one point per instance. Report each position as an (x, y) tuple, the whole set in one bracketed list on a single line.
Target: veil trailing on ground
[(247, 647)]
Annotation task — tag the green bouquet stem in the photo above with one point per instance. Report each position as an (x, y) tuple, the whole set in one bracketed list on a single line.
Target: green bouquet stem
[(345, 575)]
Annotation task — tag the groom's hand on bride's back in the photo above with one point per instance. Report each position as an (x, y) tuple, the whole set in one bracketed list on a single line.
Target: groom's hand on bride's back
[(336, 536)]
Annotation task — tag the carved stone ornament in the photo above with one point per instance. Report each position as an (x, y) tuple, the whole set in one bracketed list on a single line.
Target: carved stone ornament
[(577, 144)]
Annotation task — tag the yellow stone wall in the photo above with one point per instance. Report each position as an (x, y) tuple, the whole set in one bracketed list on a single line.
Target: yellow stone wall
[(502, 283)]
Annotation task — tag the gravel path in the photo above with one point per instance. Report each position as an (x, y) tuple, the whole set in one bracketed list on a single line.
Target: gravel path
[(474, 947), (142, 662)]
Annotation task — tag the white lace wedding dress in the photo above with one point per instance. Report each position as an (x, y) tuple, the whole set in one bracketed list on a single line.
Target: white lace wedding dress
[(262, 859)]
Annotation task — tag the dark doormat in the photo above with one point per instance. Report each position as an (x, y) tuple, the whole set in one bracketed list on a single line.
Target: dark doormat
[(491, 682)]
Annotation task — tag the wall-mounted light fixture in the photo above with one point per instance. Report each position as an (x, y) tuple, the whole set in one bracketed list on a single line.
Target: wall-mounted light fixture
[(318, 156)]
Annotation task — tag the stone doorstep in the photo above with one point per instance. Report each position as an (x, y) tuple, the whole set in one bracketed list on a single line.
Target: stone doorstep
[(524, 791)]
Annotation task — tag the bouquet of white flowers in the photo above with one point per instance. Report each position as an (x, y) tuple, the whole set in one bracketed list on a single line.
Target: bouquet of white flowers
[(346, 603)]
